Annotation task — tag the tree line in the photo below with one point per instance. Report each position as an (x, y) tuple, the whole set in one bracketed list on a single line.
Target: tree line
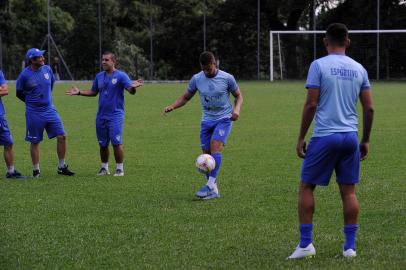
[(174, 31)]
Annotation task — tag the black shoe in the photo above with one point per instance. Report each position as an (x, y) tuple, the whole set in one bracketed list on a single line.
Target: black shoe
[(36, 173), (65, 171), (15, 175)]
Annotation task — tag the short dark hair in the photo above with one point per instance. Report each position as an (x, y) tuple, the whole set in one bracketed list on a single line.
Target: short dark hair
[(207, 58), (337, 33), (113, 56)]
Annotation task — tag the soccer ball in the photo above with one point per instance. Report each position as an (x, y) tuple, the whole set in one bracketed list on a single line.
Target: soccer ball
[(205, 163)]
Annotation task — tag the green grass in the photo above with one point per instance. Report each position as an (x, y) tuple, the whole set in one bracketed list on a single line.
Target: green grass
[(149, 219)]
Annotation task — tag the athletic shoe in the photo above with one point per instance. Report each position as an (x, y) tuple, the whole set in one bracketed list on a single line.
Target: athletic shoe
[(214, 195), (36, 173), (102, 172), (65, 171), (119, 173), (206, 193), (300, 253), (15, 175), (349, 253)]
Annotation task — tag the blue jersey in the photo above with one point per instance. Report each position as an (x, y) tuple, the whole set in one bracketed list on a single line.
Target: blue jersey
[(111, 93), (214, 94), (2, 81), (36, 88), (340, 80)]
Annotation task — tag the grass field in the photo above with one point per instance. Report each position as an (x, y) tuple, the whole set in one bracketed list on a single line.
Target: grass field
[(149, 218)]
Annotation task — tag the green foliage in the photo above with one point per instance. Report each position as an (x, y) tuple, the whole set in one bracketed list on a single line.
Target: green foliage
[(149, 219), (131, 59), (177, 31)]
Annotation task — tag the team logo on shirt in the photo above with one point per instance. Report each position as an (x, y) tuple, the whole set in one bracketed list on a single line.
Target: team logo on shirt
[(114, 81), (46, 76)]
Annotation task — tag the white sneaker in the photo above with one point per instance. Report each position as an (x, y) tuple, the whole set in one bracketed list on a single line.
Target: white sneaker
[(119, 173), (349, 253), (103, 171), (306, 252)]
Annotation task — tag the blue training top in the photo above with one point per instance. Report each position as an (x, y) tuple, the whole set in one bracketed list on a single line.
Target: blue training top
[(340, 80), (111, 93), (36, 88), (214, 94), (2, 81)]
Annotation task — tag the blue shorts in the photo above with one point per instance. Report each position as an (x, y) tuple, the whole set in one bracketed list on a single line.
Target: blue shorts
[(36, 122), (339, 152), (214, 131), (109, 130), (5, 135)]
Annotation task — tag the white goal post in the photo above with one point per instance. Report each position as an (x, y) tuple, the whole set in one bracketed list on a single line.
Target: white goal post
[(315, 33)]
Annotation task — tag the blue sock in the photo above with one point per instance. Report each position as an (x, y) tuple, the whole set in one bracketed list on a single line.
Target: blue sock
[(305, 234), (217, 158), (350, 230)]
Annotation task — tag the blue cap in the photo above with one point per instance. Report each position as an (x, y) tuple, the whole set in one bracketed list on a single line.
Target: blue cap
[(34, 52)]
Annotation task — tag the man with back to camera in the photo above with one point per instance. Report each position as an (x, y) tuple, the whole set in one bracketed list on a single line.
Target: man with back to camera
[(214, 87), (334, 84), (34, 87), (5, 136), (110, 85)]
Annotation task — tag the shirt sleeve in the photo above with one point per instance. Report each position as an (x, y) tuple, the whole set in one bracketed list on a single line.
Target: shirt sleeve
[(2, 79), (95, 86), (192, 85), (20, 83), (126, 81), (20, 87), (314, 76), (365, 81), (52, 77), (232, 84)]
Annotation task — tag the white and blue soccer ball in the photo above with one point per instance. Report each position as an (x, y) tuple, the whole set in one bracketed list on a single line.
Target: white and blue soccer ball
[(205, 163)]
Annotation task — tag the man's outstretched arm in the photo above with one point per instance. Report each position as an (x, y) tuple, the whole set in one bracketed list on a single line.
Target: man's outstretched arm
[(182, 100), (74, 91)]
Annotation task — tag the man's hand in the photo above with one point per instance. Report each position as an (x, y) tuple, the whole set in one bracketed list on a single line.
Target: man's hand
[(136, 83), (3, 90), (364, 149), (301, 148), (235, 115), (168, 109), (74, 91)]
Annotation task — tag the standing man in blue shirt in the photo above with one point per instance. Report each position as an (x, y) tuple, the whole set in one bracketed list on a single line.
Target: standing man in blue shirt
[(34, 87), (214, 87), (334, 83), (5, 136), (110, 85)]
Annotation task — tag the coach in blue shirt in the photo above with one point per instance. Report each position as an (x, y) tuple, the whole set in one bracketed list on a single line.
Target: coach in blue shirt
[(214, 87), (110, 85), (334, 83), (34, 87)]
